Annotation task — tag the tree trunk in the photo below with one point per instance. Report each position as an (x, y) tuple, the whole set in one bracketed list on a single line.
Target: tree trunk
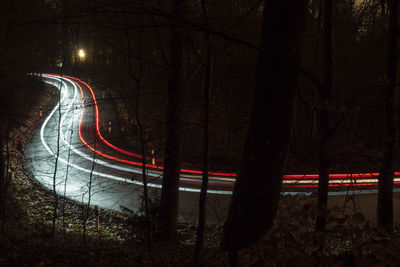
[(258, 184), (137, 80), (325, 94), (66, 50), (172, 159), (204, 184), (87, 211), (55, 207), (385, 184), (65, 183), (7, 177), (2, 183)]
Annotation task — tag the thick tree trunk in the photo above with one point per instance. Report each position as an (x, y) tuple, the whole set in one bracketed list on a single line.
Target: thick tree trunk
[(258, 184), (2, 183), (172, 159), (385, 184), (325, 94), (204, 185)]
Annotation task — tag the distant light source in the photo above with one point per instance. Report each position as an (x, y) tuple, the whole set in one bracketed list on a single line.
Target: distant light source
[(81, 54)]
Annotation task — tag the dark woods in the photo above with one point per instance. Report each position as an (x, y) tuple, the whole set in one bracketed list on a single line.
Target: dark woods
[(261, 88)]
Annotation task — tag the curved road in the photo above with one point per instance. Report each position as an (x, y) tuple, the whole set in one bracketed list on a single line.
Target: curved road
[(85, 157)]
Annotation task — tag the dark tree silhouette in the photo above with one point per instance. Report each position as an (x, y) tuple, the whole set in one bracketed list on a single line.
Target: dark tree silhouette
[(172, 159), (204, 184), (2, 183), (137, 77), (325, 94), (66, 50), (259, 180), (57, 153), (385, 184)]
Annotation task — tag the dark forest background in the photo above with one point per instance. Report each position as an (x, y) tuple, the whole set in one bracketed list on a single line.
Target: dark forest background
[(37, 33), (245, 82)]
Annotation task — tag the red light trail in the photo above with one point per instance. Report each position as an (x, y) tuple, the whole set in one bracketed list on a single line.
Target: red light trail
[(290, 180)]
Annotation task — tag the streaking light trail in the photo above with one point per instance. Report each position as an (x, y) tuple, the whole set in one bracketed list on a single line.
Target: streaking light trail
[(188, 176), (65, 95)]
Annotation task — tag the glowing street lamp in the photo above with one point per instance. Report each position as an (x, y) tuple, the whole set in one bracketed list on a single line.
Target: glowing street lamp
[(81, 54)]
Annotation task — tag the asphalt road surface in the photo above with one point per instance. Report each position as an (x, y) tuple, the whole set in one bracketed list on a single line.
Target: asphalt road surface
[(89, 165), (93, 168)]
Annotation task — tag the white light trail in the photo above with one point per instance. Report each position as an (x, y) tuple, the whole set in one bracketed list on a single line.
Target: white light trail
[(100, 162)]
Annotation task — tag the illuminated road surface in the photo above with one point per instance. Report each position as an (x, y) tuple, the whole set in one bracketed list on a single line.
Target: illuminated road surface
[(85, 157), (114, 183)]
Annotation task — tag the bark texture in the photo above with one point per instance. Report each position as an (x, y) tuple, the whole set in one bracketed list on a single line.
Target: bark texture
[(327, 131), (2, 183), (204, 185), (258, 185), (385, 184), (172, 159)]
